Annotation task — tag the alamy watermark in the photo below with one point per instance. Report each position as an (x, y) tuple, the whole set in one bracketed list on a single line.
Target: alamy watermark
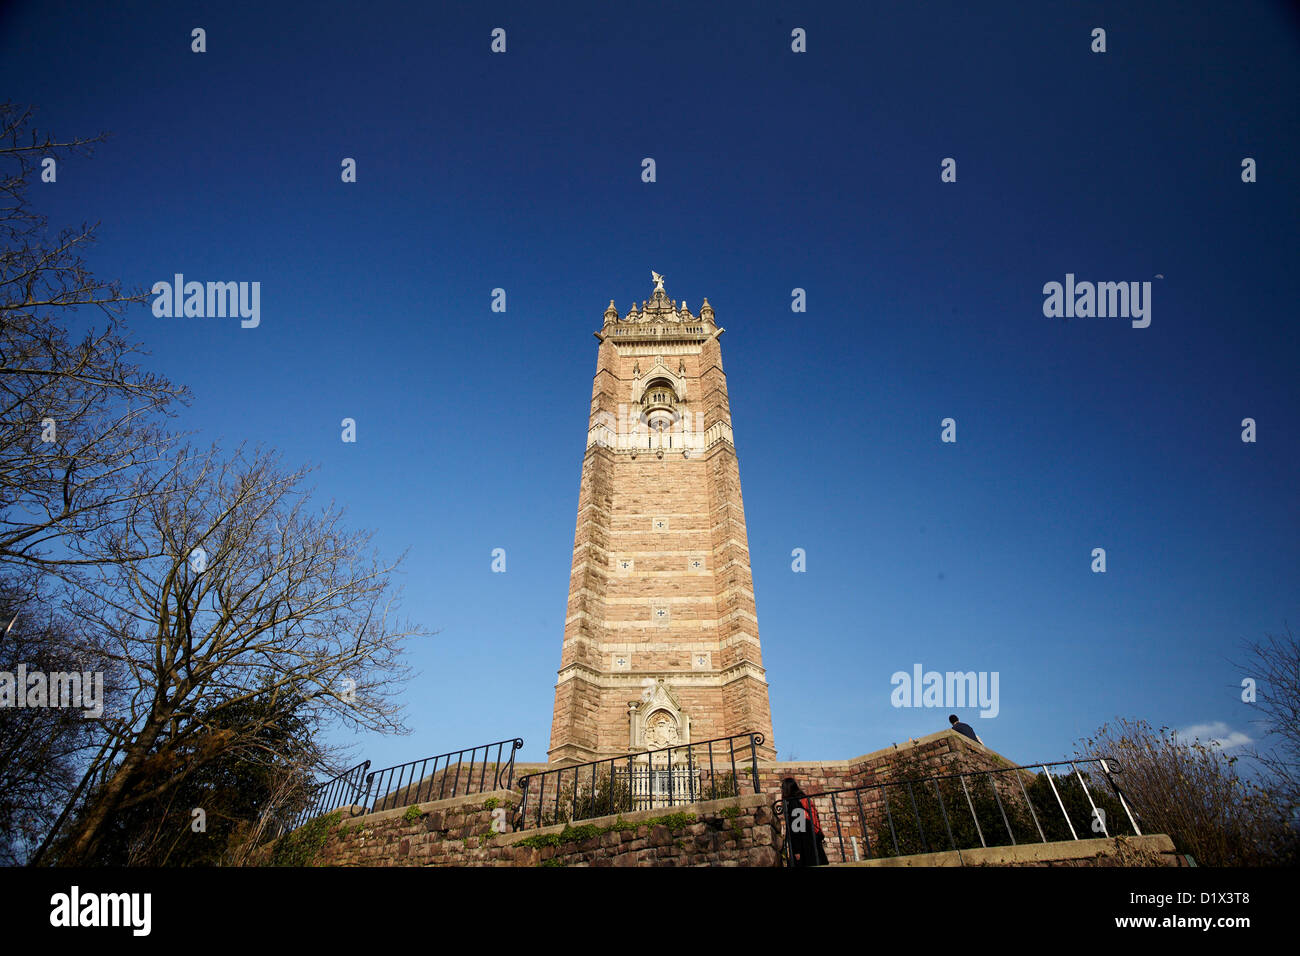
[(1085, 300), (217, 300), (22, 689), (129, 910), (949, 689)]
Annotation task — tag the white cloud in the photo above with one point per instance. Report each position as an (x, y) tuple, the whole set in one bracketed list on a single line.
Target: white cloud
[(1218, 732)]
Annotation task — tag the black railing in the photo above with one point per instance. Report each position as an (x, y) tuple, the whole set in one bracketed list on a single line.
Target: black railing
[(348, 789), (419, 780), (961, 811), (669, 776)]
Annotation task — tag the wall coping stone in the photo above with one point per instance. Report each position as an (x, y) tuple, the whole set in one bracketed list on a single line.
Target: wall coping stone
[(1059, 850), (885, 751)]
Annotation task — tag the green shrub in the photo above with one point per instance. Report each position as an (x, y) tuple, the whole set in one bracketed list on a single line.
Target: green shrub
[(303, 845)]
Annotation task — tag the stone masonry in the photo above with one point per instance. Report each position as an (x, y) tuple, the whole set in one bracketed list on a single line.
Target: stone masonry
[(458, 832), (476, 829), (661, 639)]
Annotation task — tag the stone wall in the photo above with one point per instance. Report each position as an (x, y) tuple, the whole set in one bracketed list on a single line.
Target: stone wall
[(458, 832), (736, 831)]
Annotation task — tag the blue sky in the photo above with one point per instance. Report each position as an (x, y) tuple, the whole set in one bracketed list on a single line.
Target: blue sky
[(775, 170)]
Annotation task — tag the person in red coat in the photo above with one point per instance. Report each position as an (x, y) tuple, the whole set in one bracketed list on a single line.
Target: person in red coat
[(803, 830)]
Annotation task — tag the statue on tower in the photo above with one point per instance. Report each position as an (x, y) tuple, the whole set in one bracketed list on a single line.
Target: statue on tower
[(658, 281)]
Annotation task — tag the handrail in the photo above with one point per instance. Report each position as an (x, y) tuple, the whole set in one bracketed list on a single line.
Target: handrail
[(856, 824), (340, 790), (668, 776), (413, 782)]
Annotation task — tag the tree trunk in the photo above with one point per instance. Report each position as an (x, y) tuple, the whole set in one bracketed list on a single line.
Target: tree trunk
[(91, 823)]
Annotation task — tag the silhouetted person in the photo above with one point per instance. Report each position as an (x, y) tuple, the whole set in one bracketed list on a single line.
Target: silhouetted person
[(803, 831), (963, 728)]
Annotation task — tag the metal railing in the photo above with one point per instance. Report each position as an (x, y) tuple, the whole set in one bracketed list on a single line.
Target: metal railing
[(416, 782), (915, 816), (348, 789), (669, 776)]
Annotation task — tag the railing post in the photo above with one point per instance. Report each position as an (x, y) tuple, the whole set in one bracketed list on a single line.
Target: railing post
[(916, 813), (365, 797), (1099, 817), (778, 811), (713, 776), (1029, 803), (997, 798), (1114, 786), (946, 825), (735, 780), (862, 821), (690, 771), (839, 831), (978, 829), (1051, 783), (889, 815), (369, 780)]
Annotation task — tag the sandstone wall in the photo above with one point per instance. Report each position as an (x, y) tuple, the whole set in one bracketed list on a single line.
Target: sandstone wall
[(458, 832)]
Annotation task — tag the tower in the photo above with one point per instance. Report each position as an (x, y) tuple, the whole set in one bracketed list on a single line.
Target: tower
[(661, 634)]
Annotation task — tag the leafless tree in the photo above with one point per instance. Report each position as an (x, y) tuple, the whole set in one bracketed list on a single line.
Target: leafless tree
[(1274, 666), (42, 748), (1192, 792), (77, 414), (224, 586)]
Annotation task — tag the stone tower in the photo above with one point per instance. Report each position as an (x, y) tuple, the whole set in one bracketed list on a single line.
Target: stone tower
[(661, 634)]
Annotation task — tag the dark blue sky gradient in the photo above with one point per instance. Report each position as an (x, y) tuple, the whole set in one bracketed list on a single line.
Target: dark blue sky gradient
[(775, 171)]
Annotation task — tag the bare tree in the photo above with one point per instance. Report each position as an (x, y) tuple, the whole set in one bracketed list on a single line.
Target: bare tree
[(77, 415), (265, 773), (1274, 666), (42, 748), (239, 620), (1192, 792), (224, 586)]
